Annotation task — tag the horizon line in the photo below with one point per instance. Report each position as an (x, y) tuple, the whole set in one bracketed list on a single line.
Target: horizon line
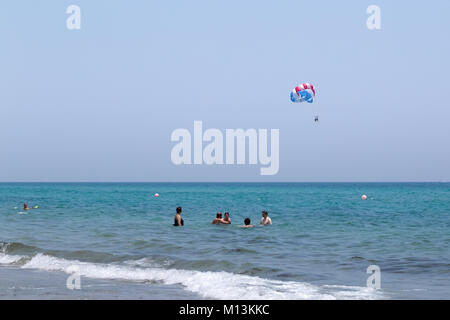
[(124, 181)]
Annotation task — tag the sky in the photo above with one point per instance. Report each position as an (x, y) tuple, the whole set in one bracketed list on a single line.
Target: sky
[(100, 103)]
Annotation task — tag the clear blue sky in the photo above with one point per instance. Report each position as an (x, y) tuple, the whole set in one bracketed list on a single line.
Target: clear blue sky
[(100, 103)]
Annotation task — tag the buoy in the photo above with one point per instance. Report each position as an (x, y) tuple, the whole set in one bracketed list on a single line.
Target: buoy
[(156, 195), (364, 197)]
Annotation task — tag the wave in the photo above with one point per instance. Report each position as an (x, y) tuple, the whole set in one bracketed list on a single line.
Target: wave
[(207, 284), (17, 252), (6, 259), (20, 249), (11, 247)]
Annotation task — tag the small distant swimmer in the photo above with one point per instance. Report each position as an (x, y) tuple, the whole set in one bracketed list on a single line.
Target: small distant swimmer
[(178, 221), (265, 220), (247, 223), (26, 207), (219, 220), (226, 217)]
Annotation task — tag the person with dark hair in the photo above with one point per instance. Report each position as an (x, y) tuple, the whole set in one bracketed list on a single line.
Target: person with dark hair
[(226, 218), (26, 207), (218, 219), (265, 220), (178, 221), (247, 223)]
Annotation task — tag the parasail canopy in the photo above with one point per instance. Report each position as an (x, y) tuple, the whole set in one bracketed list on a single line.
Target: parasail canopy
[(304, 92)]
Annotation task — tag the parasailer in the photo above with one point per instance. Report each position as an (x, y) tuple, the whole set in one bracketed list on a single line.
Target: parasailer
[(302, 93)]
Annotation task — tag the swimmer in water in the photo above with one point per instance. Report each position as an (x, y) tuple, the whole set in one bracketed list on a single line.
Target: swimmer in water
[(219, 220), (226, 217), (247, 223), (265, 220), (178, 221)]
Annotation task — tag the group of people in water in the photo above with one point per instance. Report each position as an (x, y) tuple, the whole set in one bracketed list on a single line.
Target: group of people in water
[(225, 219)]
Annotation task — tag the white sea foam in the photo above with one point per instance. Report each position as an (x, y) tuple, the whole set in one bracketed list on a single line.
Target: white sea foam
[(215, 285), (9, 259)]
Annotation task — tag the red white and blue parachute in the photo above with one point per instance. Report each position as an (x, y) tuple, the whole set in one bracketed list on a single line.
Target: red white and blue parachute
[(304, 92)]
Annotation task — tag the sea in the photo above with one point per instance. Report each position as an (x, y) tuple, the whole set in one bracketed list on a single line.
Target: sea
[(117, 241)]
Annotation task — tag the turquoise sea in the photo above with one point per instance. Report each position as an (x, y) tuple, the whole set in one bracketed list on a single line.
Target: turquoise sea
[(120, 240)]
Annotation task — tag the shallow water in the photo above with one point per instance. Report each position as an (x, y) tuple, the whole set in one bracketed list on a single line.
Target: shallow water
[(322, 241)]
